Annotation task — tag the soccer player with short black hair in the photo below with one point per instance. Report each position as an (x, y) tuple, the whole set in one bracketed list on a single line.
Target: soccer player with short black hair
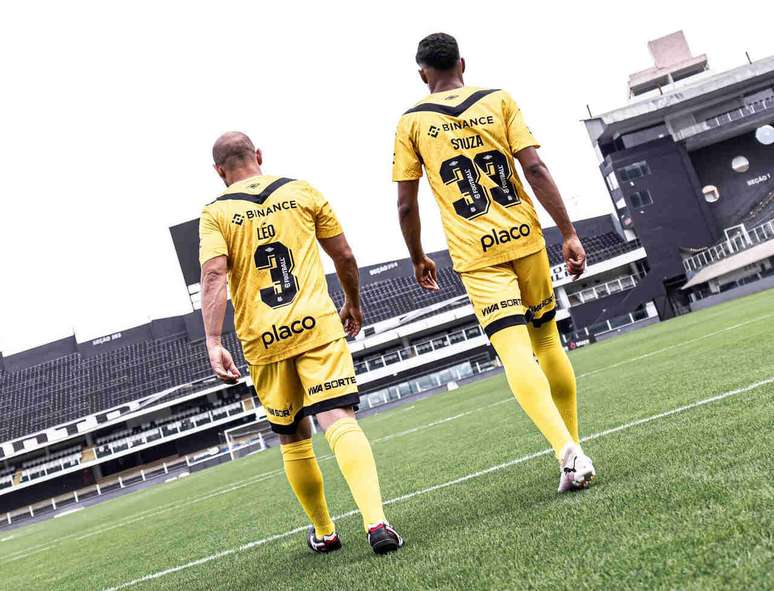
[(260, 237), (466, 139)]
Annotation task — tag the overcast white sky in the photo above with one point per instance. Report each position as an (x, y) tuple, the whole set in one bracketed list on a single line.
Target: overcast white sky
[(108, 113)]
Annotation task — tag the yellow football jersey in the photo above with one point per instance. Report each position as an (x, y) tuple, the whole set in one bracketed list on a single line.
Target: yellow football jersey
[(466, 139), (268, 228)]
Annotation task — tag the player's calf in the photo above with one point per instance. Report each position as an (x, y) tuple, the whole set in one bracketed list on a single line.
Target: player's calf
[(356, 461)]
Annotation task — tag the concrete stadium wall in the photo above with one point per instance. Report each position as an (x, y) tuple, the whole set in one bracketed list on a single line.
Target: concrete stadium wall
[(732, 294)]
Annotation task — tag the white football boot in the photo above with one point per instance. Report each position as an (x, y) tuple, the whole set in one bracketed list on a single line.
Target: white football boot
[(577, 469)]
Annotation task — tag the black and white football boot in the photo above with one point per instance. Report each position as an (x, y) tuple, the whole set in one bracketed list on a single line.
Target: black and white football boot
[(577, 471), (323, 545), (383, 538)]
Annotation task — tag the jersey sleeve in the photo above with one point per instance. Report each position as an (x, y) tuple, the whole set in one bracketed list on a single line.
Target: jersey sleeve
[(212, 243), (406, 163), (519, 135), (326, 224)]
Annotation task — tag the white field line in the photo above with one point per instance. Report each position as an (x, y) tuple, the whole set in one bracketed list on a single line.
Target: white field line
[(440, 421), (68, 512), (225, 489), (675, 346), (26, 552), (460, 480)]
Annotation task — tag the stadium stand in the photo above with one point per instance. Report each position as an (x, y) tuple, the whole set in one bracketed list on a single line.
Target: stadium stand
[(86, 418), (65, 380), (417, 347), (382, 300), (183, 421), (390, 290), (598, 248), (74, 386)]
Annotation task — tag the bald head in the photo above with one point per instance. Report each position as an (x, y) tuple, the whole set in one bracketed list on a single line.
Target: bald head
[(235, 157), (233, 150)]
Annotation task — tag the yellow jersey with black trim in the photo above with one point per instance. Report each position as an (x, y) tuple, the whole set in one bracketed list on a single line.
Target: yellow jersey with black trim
[(466, 139), (268, 228)]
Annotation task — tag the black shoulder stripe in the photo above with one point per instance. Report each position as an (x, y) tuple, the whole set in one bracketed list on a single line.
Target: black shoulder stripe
[(453, 111), (260, 197)]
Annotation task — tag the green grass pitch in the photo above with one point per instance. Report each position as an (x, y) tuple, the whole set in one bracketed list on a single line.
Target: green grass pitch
[(682, 500)]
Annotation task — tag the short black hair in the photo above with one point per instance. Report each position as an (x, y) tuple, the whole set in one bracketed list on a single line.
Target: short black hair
[(439, 51)]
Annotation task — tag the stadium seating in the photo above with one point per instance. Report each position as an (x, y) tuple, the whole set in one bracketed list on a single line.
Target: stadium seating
[(382, 300), (189, 418), (73, 386), (597, 248), (387, 299), (184, 420), (426, 344)]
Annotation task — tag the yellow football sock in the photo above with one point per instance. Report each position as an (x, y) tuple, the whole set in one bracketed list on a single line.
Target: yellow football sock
[(306, 480), (557, 368), (530, 385), (356, 461)]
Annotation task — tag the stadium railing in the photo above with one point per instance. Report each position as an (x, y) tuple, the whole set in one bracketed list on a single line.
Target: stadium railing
[(731, 246), (424, 347), (72, 386), (190, 419), (435, 380), (613, 324), (173, 467), (603, 290), (122, 442)]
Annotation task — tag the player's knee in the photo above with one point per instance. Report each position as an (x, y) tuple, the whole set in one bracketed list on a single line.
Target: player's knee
[(329, 417), (286, 439), (303, 431)]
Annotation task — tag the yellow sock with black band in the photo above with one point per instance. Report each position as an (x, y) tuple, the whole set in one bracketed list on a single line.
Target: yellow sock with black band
[(530, 385), (557, 368), (306, 480), (356, 462)]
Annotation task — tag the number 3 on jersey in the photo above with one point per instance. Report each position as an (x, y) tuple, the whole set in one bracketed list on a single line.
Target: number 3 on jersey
[(475, 200), (279, 258)]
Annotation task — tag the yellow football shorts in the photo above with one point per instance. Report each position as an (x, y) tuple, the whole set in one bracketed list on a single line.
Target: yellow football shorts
[(513, 293), (314, 381)]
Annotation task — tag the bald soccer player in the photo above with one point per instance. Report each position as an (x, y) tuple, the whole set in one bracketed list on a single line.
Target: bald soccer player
[(466, 139), (260, 236)]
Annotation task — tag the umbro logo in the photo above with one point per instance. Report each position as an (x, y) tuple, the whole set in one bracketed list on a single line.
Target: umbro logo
[(433, 131), (238, 219)]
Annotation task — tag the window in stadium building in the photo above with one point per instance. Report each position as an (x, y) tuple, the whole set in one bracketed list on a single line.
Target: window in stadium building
[(640, 199), (740, 164), (612, 181), (633, 171), (711, 193)]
